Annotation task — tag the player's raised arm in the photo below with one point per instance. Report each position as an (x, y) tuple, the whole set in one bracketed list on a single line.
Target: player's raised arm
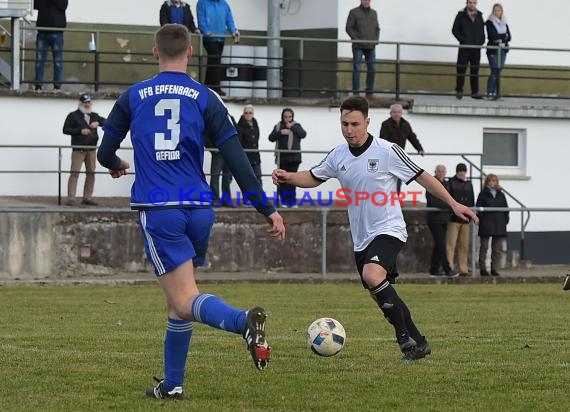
[(431, 184), (116, 127), (241, 169)]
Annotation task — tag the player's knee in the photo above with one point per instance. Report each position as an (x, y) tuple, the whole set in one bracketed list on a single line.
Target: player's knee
[(373, 274), (181, 309)]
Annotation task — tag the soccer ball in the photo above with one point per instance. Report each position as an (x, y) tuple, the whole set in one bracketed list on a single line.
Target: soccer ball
[(326, 336)]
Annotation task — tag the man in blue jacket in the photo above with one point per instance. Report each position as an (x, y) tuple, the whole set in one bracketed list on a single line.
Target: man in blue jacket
[(214, 21)]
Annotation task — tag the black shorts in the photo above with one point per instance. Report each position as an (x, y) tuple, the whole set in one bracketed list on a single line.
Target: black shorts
[(383, 250)]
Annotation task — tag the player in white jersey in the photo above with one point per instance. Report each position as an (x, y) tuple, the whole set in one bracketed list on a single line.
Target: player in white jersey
[(368, 169)]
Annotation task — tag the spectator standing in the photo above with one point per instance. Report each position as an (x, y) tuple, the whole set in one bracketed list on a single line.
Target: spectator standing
[(177, 11), (51, 13), (248, 134), (217, 167), (437, 223), (287, 135), (82, 125), (214, 21), (469, 29), (461, 190), (492, 225), (362, 24), (398, 130), (499, 34)]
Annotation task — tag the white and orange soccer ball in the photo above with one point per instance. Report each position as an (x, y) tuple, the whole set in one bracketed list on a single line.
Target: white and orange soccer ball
[(326, 336)]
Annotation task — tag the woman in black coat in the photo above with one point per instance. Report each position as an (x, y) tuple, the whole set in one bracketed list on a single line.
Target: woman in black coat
[(287, 135), (248, 135), (492, 225)]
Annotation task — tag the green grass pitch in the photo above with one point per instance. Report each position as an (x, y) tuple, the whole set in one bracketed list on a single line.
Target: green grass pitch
[(91, 348)]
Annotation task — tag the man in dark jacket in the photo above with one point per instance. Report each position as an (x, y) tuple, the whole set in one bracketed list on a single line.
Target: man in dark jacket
[(362, 24), (51, 13), (461, 190), (177, 11), (437, 223), (82, 125), (469, 29), (492, 224), (398, 130)]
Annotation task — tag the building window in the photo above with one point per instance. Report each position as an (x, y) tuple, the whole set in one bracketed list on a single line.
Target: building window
[(504, 151)]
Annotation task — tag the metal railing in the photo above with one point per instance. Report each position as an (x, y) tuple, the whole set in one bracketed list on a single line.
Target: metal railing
[(60, 171), (476, 173), (474, 167), (303, 74)]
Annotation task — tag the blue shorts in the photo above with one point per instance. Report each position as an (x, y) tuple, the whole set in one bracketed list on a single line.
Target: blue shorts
[(174, 236)]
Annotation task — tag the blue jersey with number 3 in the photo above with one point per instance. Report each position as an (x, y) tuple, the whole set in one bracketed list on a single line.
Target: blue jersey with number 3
[(168, 117)]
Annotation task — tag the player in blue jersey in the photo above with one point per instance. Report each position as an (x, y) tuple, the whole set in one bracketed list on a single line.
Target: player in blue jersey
[(168, 117)]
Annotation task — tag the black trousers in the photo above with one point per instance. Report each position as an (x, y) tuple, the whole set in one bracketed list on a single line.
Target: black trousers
[(286, 192), (214, 71), (471, 57), (439, 254), (217, 167)]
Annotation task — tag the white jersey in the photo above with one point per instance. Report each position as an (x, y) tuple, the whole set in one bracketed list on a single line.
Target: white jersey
[(370, 170)]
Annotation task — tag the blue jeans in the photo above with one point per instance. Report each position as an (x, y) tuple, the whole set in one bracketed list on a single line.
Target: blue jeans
[(494, 77), (44, 41), (370, 57)]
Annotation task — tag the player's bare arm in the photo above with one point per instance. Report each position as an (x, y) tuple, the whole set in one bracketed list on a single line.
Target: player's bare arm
[(431, 184), (300, 179)]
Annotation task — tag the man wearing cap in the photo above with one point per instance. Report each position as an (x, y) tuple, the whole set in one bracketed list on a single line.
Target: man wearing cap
[(461, 190), (82, 125)]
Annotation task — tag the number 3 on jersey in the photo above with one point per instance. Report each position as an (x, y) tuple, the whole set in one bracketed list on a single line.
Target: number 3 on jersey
[(172, 124)]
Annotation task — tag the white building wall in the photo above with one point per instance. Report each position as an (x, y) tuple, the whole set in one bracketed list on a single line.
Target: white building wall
[(38, 121), (533, 23), (248, 14)]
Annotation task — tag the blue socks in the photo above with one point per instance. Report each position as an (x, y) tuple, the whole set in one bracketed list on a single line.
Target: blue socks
[(176, 345), (207, 309), (213, 311)]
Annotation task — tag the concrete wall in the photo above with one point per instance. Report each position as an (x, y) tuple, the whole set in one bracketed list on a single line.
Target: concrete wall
[(80, 244)]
